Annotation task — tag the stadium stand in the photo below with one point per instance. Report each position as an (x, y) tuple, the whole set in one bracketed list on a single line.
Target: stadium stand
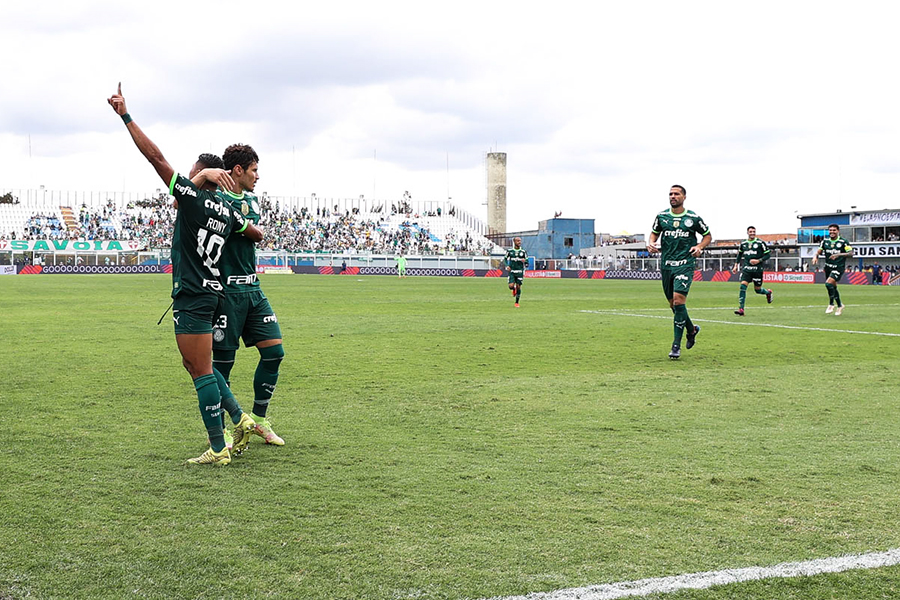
[(293, 226)]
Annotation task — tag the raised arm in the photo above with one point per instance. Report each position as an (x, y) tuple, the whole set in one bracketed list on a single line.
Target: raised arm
[(150, 150)]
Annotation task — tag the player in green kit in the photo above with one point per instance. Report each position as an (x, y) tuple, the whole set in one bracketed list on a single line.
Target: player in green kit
[(676, 231), (836, 250), (516, 260), (244, 311), (752, 253), (202, 225)]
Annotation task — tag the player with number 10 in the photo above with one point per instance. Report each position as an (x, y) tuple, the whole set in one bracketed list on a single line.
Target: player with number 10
[(203, 224)]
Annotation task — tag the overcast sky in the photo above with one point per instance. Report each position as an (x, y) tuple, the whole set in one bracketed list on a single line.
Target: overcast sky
[(760, 110)]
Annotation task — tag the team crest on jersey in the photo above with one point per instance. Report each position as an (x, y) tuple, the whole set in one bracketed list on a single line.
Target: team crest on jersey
[(688, 222), (676, 223), (218, 335), (245, 208)]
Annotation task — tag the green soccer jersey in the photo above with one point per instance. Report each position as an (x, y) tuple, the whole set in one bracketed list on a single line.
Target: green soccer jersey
[(831, 247), (516, 260), (750, 250), (678, 234), (238, 263), (202, 225)]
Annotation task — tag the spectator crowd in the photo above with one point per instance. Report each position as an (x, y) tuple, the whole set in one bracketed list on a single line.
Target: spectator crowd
[(293, 230)]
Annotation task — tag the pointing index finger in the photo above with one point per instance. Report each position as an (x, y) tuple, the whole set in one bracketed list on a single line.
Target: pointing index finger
[(120, 89)]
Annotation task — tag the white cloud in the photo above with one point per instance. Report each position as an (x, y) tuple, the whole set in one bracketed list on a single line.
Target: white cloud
[(760, 111)]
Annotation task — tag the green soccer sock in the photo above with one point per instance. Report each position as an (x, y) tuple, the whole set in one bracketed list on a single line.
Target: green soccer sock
[(680, 320), (223, 361), (837, 296), (211, 410), (742, 296), (229, 402), (518, 292), (831, 292), (762, 290), (266, 378)]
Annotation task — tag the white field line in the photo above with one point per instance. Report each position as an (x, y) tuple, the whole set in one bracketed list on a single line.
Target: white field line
[(764, 307), (741, 323), (700, 581)]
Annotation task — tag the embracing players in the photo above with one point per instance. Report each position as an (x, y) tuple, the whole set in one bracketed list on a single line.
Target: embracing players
[(202, 226)]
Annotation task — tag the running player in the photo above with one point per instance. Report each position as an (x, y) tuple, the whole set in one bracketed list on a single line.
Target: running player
[(516, 261), (201, 227), (678, 228), (836, 250), (244, 311), (752, 253)]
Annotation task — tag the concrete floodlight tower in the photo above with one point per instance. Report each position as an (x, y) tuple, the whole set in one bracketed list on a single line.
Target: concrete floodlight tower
[(496, 192)]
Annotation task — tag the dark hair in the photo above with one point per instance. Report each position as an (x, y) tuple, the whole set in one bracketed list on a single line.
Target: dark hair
[(211, 161), (681, 187), (239, 154), (835, 225), (751, 227)]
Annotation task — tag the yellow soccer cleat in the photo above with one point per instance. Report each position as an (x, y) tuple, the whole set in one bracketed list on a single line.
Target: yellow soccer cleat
[(241, 433), (217, 459), (263, 429)]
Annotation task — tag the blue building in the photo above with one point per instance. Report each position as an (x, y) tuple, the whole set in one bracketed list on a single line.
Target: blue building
[(554, 238)]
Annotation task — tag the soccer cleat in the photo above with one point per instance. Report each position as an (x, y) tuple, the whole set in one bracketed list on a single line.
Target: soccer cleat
[(217, 459), (839, 310), (263, 429), (676, 352), (692, 337), (242, 431), (830, 309), (517, 305), (739, 312), (769, 296), (513, 291)]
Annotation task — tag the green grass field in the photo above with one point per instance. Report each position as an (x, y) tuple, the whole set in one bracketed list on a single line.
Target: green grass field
[(443, 444)]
